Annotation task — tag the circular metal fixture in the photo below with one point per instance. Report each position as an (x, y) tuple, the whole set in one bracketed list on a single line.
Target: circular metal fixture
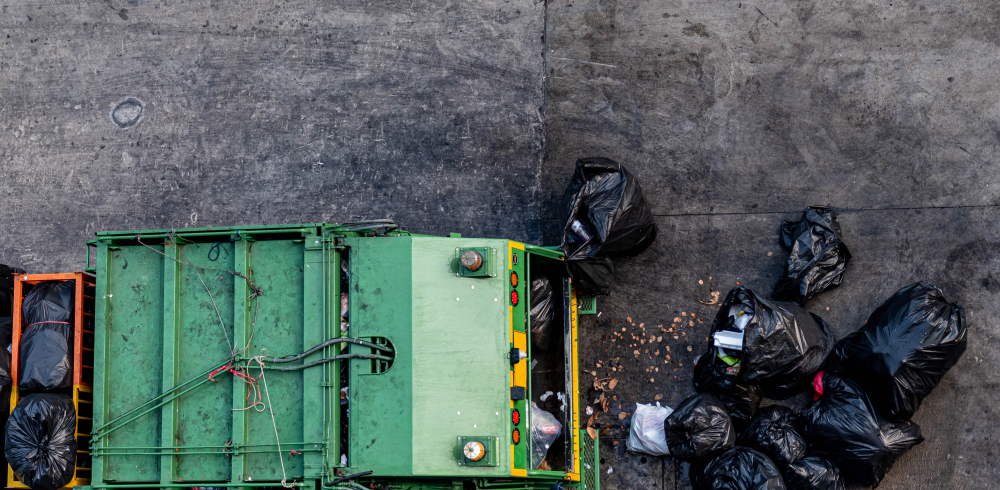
[(472, 260), (474, 451)]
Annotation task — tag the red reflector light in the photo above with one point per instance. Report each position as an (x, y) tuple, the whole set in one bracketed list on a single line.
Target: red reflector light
[(513, 279), (515, 417), (516, 436), (514, 297)]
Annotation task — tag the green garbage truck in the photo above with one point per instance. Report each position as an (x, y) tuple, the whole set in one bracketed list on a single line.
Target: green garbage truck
[(332, 356)]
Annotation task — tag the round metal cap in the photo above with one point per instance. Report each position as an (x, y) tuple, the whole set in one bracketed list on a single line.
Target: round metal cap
[(472, 260), (474, 451)]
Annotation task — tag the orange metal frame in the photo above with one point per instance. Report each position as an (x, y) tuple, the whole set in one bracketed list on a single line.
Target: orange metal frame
[(83, 375)]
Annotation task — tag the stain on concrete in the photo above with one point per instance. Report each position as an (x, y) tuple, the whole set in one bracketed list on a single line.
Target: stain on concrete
[(127, 113), (696, 29)]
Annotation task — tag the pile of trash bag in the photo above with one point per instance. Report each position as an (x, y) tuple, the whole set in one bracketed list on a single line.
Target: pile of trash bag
[(545, 429), (867, 387), (40, 443), (646, 434), (739, 468), (813, 473), (905, 348), (699, 428), (817, 255), (843, 426), (46, 352), (773, 433), (604, 214), (774, 346), (543, 313)]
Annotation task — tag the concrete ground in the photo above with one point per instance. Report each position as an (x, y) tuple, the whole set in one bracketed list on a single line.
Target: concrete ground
[(469, 116)]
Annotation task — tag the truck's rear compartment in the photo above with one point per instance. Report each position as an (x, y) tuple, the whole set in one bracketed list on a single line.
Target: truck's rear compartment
[(551, 355)]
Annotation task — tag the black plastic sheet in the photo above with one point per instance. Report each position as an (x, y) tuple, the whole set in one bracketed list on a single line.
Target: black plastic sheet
[(46, 352), (773, 433), (6, 332), (844, 427), (699, 428), (784, 346), (543, 312), (593, 276), (605, 204), (813, 473), (7, 289), (40, 444), (817, 255), (739, 468), (905, 348)]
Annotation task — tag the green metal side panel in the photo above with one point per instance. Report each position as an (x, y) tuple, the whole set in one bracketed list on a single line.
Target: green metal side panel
[(460, 365), (204, 416), (158, 327), (381, 420), (130, 289), (278, 271)]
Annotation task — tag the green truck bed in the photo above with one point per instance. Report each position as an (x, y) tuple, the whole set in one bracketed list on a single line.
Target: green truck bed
[(432, 373)]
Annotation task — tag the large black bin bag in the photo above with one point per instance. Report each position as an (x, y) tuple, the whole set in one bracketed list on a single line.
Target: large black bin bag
[(817, 256), (46, 353), (604, 214), (40, 444), (699, 428), (739, 468), (905, 348), (784, 346), (844, 427)]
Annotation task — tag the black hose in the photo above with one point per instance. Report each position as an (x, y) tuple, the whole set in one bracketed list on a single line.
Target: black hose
[(328, 343), (348, 477), (328, 359)]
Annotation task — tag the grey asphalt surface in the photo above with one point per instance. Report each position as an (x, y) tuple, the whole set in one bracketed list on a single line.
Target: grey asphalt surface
[(469, 116)]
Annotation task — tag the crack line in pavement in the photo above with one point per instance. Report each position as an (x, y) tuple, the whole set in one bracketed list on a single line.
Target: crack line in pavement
[(837, 209)]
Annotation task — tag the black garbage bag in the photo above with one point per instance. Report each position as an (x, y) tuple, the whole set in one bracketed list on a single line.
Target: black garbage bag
[(739, 468), (40, 444), (593, 276), (844, 427), (699, 428), (607, 200), (543, 312), (46, 353), (905, 348), (813, 473), (740, 399), (6, 332), (817, 255), (604, 214), (784, 346), (773, 433)]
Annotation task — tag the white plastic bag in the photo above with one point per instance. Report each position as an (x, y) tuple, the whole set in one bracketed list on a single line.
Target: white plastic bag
[(545, 429), (647, 434)]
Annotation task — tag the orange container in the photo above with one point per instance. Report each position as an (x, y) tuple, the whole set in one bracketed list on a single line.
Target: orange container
[(83, 363)]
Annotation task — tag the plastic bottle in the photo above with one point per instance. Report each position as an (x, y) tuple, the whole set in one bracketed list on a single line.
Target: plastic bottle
[(580, 230)]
